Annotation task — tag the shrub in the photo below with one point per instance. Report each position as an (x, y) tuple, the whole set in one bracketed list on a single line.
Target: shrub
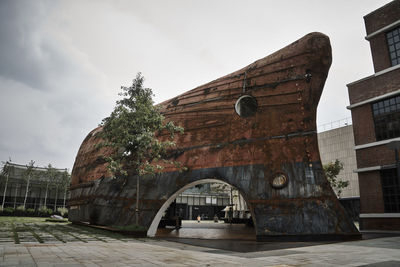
[(8, 210), (43, 208), (20, 208), (63, 211), (30, 211), (44, 211)]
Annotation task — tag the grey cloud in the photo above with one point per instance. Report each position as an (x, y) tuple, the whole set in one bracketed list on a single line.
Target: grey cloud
[(58, 57), (29, 52), (51, 95)]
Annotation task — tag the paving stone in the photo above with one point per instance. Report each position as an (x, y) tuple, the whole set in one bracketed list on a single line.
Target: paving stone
[(83, 248)]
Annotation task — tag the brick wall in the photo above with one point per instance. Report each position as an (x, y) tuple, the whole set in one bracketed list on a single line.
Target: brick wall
[(375, 21), (374, 86), (380, 52), (371, 196), (371, 192), (363, 129), (383, 16), (375, 156), (380, 223)]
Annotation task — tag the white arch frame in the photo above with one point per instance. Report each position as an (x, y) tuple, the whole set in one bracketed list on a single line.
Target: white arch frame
[(151, 232)]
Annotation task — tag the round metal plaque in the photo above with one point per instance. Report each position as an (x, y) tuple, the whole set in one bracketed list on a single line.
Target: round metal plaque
[(280, 181), (246, 106)]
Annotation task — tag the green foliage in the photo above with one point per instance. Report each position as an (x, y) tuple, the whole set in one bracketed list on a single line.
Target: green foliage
[(131, 131), (30, 211), (332, 170), (45, 211), (63, 211), (65, 179), (28, 174), (7, 169), (30, 170), (5, 173), (21, 208), (8, 210), (50, 174)]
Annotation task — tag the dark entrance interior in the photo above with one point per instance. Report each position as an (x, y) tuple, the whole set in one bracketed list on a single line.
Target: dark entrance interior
[(215, 211)]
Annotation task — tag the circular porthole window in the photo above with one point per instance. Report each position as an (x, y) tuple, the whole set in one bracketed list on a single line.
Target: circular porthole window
[(280, 181), (246, 106)]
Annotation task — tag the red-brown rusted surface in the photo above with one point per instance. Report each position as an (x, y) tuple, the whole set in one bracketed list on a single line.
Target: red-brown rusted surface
[(245, 152), (287, 105)]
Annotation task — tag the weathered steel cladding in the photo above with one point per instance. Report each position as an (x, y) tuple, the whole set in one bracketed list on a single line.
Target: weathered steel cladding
[(244, 152)]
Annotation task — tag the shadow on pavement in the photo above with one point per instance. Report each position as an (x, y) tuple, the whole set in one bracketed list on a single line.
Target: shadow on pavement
[(239, 238)]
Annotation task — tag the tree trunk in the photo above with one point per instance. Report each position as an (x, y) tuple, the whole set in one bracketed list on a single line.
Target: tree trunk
[(15, 197), (5, 191), (45, 196), (27, 190), (55, 201), (65, 197), (137, 200)]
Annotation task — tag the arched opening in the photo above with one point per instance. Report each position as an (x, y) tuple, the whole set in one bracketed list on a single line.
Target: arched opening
[(233, 208)]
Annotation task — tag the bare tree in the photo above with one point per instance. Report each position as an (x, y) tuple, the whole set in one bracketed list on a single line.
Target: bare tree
[(28, 174), (56, 182), (65, 181), (5, 172), (50, 174)]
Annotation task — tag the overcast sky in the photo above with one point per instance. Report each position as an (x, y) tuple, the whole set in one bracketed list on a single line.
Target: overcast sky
[(62, 62)]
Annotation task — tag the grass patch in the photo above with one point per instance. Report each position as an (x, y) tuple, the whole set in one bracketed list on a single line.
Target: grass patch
[(44, 228), (40, 229), (98, 231), (15, 233), (21, 228), (9, 219), (64, 231), (35, 235), (67, 227)]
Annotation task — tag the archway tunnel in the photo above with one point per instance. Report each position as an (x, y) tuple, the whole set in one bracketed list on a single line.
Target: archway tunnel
[(204, 208)]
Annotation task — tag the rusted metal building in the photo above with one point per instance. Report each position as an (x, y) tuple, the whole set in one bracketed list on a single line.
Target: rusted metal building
[(253, 129)]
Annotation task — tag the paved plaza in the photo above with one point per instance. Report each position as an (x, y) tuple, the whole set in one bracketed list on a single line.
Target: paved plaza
[(34, 242)]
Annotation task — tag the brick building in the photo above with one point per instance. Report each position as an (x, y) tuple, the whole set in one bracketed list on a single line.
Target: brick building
[(375, 108)]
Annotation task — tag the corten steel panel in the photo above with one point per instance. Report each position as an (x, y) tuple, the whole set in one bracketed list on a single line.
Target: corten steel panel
[(246, 153)]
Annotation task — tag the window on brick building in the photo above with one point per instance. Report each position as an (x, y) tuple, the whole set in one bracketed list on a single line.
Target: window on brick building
[(390, 190), (387, 118), (393, 39)]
